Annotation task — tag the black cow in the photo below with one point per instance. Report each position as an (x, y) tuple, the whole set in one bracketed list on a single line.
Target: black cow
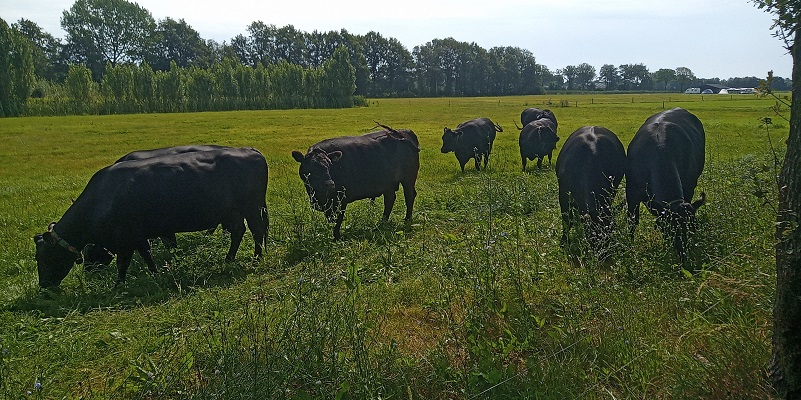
[(126, 203), (589, 169), (537, 140), (94, 255), (665, 159), (341, 170), (471, 139), (533, 114)]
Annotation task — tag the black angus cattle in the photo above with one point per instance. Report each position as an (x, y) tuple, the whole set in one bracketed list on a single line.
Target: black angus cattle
[(94, 255), (537, 140), (589, 169), (471, 139), (126, 203), (665, 159), (533, 114), (341, 170)]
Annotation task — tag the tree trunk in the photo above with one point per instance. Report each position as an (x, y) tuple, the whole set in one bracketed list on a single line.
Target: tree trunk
[(785, 368)]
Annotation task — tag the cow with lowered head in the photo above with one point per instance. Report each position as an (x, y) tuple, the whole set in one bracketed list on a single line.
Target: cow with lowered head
[(126, 203), (94, 255), (665, 159), (537, 140), (589, 169), (471, 139), (341, 170)]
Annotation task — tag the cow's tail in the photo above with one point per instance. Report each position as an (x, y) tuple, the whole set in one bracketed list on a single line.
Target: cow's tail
[(518, 128), (498, 127)]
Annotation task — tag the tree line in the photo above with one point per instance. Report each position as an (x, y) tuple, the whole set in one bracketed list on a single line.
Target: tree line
[(116, 58)]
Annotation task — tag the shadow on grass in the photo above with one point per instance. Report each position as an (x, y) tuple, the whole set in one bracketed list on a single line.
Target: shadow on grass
[(198, 262)]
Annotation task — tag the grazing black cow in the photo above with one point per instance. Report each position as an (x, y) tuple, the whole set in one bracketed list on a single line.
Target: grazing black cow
[(537, 140), (341, 170), (94, 255), (126, 203), (165, 151), (533, 114), (665, 159), (589, 169), (471, 139)]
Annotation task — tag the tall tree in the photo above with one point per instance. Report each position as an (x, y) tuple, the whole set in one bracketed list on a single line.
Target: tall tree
[(48, 61), (177, 41), (785, 368), (665, 76), (16, 70), (585, 73), (609, 75), (635, 76), (570, 73), (683, 76), (107, 31)]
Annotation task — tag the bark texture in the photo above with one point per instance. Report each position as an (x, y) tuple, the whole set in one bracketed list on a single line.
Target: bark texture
[(785, 369)]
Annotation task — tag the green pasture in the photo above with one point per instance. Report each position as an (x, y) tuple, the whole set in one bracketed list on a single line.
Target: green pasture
[(474, 299)]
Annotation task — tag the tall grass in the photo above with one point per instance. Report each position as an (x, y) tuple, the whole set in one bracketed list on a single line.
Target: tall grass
[(473, 299)]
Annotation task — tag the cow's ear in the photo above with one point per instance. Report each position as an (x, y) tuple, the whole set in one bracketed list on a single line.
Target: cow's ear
[(38, 238), (457, 133), (334, 155), (298, 156)]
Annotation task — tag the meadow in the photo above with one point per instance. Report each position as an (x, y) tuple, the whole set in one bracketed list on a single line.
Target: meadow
[(474, 299)]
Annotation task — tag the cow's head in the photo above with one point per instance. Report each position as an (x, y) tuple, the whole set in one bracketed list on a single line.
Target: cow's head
[(315, 171), (677, 221), (53, 261), (547, 139), (450, 139)]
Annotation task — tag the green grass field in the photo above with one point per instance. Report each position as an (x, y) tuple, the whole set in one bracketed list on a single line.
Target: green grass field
[(474, 299)]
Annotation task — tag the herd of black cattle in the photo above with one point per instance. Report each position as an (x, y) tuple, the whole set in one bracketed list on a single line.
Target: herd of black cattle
[(157, 193)]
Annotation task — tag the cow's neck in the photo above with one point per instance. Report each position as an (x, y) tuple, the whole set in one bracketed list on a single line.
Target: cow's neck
[(73, 228)]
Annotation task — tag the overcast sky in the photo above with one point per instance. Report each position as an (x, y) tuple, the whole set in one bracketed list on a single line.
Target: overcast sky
[(714, 38)]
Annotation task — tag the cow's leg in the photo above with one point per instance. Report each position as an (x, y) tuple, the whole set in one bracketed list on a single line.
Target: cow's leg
[(523, 158), (633, 213), (477, 160), (144, 251), (237, 233), (409, 193), (169, 240), (539, 162), (338, 225), (258, 229), (123, 261), (389, 202), (564, 207)]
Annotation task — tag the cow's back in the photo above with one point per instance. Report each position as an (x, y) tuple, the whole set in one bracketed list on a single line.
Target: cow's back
[(168, 151), (532, 144), (177, 193), (667, 154), (478, 133), (532, 114), (592, 160)]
